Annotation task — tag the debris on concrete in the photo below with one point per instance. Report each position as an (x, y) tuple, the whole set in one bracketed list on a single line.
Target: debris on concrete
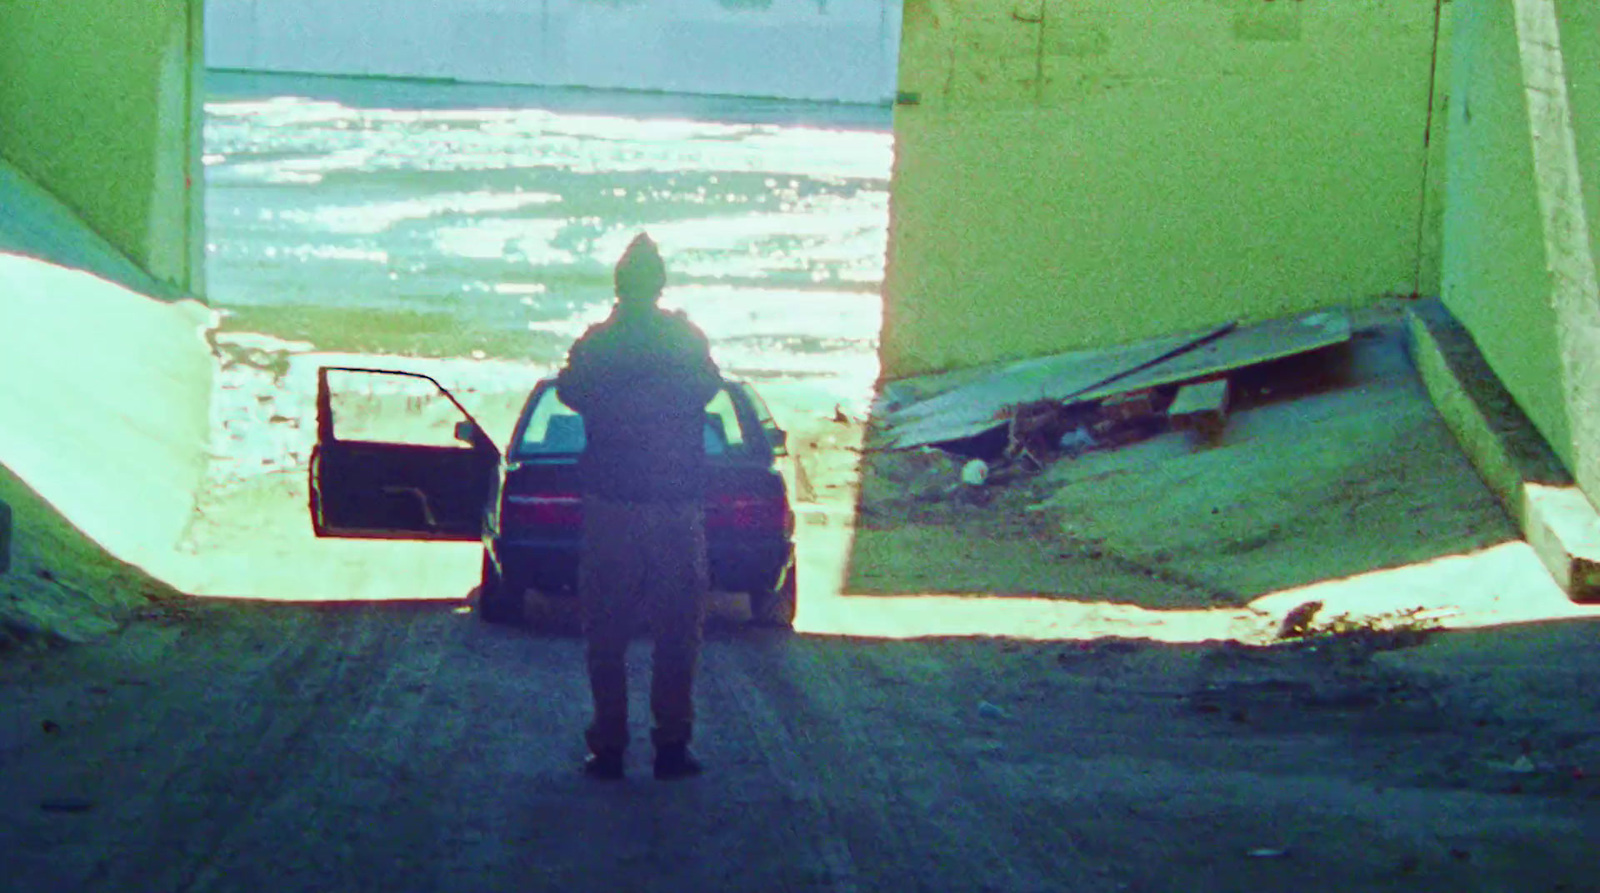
[(1000, 397), (1297, 623), (982, 405), (1076, 442), (975, 473)]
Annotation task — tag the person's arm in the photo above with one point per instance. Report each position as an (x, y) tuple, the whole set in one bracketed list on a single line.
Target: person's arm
[(575, 382), (704, 378)]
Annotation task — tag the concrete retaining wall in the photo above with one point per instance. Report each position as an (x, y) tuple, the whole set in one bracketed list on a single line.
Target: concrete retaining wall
[(105, 395), (1094, 172), (97, 105), (1520, 240)]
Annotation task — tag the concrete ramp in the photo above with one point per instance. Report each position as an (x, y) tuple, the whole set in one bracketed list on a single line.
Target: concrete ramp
[(105, 387)]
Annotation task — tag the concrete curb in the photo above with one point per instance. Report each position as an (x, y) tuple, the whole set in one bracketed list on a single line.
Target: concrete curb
[(1538, 492)]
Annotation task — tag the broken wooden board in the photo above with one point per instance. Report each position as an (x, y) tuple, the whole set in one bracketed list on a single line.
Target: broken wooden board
[(1201, 407), (1245, 346), (980, 406)]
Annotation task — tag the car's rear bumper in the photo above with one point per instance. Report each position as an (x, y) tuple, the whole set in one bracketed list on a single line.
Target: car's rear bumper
[(551, 566)]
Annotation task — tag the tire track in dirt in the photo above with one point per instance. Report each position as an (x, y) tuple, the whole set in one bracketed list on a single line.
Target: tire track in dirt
[(164, 829), (889, 797), (355, 771), (1017, 856), (726, 670), (508, 808), (998, 769), (233, 772)]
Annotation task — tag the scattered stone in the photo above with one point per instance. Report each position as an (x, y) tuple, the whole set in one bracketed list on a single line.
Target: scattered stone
[(975, 473), (991, 711), (1297, 623), (66, 804), (1076, 442)]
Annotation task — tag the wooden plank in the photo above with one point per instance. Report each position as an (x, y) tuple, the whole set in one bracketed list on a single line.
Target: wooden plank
[(1206, 396), (1042, 378), (977, 407), (1201, 407), (1247, 346)]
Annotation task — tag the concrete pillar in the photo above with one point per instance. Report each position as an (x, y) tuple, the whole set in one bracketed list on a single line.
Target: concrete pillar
[(100, 103), (1574, 292)]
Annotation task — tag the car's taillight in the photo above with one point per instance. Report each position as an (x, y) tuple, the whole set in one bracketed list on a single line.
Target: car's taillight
[(544, 510), (747, 513)]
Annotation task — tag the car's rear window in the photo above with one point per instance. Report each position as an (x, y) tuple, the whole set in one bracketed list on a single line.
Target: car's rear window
[(554, 429)]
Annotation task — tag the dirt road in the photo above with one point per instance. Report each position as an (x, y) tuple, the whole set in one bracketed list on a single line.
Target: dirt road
[(221, 745), (239, 746)]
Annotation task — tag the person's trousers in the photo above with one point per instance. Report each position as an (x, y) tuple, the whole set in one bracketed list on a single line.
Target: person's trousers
[(642, 561)]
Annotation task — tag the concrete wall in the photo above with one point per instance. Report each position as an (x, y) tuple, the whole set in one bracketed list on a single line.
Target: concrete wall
[(105, 399), (1580, 28), (1519, 234), (837, 50), (1098, 171), (104, 407), (1577, 291), (97, 106), (1495, 280)]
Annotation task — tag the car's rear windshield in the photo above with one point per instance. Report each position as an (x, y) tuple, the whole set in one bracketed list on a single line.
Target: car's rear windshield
[(554, 429)]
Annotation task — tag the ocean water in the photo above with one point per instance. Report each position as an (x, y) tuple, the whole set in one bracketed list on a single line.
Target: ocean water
[(439, 220)]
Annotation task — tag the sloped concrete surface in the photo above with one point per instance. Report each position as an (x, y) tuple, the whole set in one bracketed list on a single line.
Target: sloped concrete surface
[(104, 420)]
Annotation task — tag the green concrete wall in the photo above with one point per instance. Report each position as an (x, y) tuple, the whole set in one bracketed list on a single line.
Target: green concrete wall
[(1580, 29), (1088, 172), (99, 104), (1495, 278)]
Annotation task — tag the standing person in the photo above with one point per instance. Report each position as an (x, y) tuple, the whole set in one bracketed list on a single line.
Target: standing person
[(641, 380)]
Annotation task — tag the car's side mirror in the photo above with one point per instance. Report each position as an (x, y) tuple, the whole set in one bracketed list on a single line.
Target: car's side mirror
[(779, 439), (467, 431)]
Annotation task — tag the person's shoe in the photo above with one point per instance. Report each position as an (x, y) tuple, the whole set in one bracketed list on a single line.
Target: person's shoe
[(674, 761), (606, 765)]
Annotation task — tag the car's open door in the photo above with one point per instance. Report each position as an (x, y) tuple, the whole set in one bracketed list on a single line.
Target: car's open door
[(397, 458)]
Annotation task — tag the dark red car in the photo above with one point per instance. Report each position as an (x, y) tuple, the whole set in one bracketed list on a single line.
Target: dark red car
[(524, 503)]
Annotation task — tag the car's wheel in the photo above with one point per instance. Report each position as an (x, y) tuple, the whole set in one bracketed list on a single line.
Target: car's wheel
[(497, 601), (776, 607)]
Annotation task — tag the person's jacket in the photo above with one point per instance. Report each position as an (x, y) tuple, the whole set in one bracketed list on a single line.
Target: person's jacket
[(641, 380)]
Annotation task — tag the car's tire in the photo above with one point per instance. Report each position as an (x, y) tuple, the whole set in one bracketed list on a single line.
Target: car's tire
[(497, 602), (775, 608)]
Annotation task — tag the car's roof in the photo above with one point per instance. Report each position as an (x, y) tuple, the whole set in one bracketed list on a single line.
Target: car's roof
[(726, 379)]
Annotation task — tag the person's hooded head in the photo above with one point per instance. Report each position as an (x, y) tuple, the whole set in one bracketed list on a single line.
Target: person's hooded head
[(640, 274)]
